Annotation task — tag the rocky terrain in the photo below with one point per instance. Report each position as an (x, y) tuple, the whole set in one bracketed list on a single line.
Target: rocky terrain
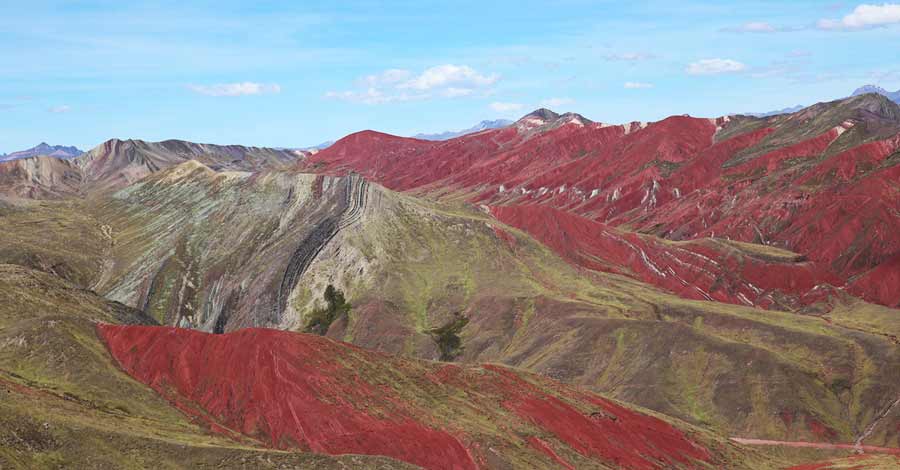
[(609, 296)]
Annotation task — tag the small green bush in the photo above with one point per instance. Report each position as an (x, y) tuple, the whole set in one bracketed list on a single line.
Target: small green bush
[(321, 319), (447, 337)]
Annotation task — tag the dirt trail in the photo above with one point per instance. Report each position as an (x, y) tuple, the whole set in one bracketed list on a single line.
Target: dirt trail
[(108, 263), (817, 445), (871, 427)]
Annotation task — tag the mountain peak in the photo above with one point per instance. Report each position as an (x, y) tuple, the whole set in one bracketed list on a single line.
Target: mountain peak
[(543, 114), (866, 89), (869, 89)]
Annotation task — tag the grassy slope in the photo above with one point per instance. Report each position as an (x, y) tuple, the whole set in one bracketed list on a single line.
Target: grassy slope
[(66, 405), (53, 236), (408, 265)]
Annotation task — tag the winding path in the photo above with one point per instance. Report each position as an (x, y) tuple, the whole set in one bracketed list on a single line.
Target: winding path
[(817, 445)]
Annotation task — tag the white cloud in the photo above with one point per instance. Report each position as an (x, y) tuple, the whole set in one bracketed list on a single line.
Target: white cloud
[(398, 85), (865, 16), (449, 75), (629, 56), (637, 85), (60, 109), (506, 107), (556, 102), (715, 66), (236, 89)]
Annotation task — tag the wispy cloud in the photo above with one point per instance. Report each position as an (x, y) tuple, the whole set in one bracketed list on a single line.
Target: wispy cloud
[(864, 16), (501, 107), (374, 95), (60, 109), (399, 85), (236, 89), (762, 27), (637, 85), (715, 67), (628, 56), (556, 102), (755, 27)]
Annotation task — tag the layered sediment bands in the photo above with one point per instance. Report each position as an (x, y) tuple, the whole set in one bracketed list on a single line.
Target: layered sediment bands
[(221, 250), (348, 213), (310, 247), (39, 178), (309, 393)]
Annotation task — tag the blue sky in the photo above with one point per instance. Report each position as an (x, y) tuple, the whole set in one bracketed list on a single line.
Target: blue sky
[(291, 73)]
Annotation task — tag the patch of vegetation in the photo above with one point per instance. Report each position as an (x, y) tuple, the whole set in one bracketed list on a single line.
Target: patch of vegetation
[(321, 319), (447, 337), (839, 385)]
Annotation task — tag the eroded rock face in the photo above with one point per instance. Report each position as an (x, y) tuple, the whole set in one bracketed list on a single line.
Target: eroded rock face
[(225, 250)]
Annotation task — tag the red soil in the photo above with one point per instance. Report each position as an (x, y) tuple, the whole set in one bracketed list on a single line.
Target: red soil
[(697, 270), (840, 210), (542, 446), (294, 391), (279, 388)]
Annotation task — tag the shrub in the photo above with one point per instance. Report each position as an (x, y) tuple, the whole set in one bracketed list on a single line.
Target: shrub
[(447, 337), (321, 319)]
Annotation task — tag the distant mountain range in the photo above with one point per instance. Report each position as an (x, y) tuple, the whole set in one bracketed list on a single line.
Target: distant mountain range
[(316, 148), (792, 109), (481, 126), (446, 135), (893, 96), (57, 151)]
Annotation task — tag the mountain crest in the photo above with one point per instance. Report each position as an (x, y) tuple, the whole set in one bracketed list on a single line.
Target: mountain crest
[(891, 95), (543, 114), (44, 149)]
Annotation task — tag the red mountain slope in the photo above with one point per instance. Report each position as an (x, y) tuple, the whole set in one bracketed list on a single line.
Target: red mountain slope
[(822, 182), (703, 269), (294, 391)]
